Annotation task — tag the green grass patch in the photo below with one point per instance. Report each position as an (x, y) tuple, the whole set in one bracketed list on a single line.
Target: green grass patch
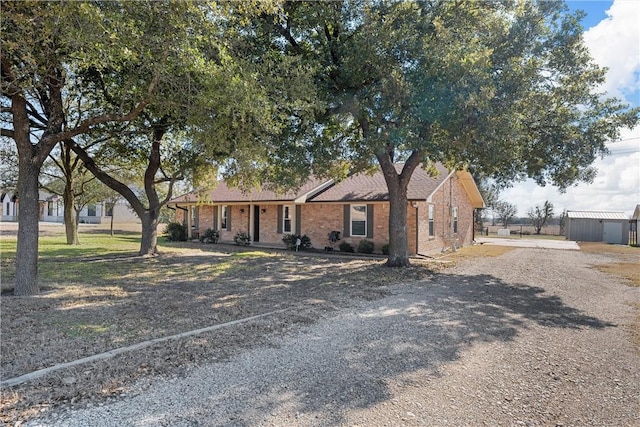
[(103, 260), (90, 245), (83, 330), (61, 262)]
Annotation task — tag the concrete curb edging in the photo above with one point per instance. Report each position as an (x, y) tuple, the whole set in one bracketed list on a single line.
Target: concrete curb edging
[(112, 353)]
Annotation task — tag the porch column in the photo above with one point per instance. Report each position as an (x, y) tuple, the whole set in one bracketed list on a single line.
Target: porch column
[(251, 221), (189, 233)]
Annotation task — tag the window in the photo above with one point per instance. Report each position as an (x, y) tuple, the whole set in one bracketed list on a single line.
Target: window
[(8, 209), (431, 224), (110, 209), (286, 219), (91, 209), (455, 220), (49, 208), (223, 217), (358, 220)]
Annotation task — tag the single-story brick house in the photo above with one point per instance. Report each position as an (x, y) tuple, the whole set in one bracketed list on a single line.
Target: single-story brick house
[(440, 212)]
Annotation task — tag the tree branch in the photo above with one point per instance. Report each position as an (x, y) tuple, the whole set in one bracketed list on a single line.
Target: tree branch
[(34, 113), (56, 162), (7, 132), (170, 191), (90, 123), (50, 190), (107, 179), (410, 165)]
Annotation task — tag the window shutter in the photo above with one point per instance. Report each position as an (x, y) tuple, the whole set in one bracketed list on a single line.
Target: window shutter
[(215, 217), (347, 221), (228, 217), (280, 214), (369, 221), (298, 219)]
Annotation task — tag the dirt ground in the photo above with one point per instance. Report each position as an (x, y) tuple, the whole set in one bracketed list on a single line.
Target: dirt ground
[(147, 298)]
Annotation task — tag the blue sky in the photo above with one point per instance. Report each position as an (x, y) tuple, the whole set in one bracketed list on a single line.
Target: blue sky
[(595, 9), (612, 34)]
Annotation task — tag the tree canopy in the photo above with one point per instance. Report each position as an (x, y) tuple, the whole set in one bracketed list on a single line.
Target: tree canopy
[(505, 89), (161, 85), (44, 45), (274, 91)]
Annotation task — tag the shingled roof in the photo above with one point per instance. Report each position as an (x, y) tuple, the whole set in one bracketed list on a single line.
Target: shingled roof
[(359, 187), (373, 188), (225, 194)]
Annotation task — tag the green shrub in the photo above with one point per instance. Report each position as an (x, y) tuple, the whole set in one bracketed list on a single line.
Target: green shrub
[(176, 232), (365, 246), (242, 238), (210, 236), (345, 247), (385, 249), (290, 241)]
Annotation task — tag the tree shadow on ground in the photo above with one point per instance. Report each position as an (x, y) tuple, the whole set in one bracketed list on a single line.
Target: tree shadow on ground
[(351, 361)]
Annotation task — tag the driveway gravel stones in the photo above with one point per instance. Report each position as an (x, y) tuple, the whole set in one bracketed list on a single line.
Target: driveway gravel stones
[(533, 338)]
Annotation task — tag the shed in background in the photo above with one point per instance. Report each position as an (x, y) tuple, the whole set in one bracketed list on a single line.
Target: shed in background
[(608, 227)]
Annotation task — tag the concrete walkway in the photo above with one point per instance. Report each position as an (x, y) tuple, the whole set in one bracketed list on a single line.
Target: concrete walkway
[(530, 243)]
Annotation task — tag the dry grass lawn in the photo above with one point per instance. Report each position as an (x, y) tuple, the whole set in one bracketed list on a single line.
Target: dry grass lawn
[(624, 263), (100, 296)]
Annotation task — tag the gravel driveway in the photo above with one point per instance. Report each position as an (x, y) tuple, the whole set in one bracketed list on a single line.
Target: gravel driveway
[(534, 337)]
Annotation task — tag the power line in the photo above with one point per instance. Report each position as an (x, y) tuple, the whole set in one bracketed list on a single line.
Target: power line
[(631, 151), (622, 140)]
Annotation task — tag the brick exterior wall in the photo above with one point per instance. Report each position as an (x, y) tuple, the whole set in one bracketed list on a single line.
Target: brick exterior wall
[(239, 215), (205, 218), (269, 225), (318, 219), (450, 194)]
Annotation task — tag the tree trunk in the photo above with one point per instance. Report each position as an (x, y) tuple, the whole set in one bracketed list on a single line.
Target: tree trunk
[(70, 216), (30, 159), (397, 186), (148, 216), (149, 241), (28, 227), (398, 239), (111, 222)]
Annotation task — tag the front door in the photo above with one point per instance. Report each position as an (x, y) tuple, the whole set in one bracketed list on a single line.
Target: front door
[(256, 223)]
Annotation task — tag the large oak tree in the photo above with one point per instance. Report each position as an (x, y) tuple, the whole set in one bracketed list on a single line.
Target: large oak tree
[(139, 76), (503, 88), (208, 106), (43, 45)]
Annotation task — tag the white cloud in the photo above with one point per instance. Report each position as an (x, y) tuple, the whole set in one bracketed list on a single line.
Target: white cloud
[(616, 187), (615, 43)]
